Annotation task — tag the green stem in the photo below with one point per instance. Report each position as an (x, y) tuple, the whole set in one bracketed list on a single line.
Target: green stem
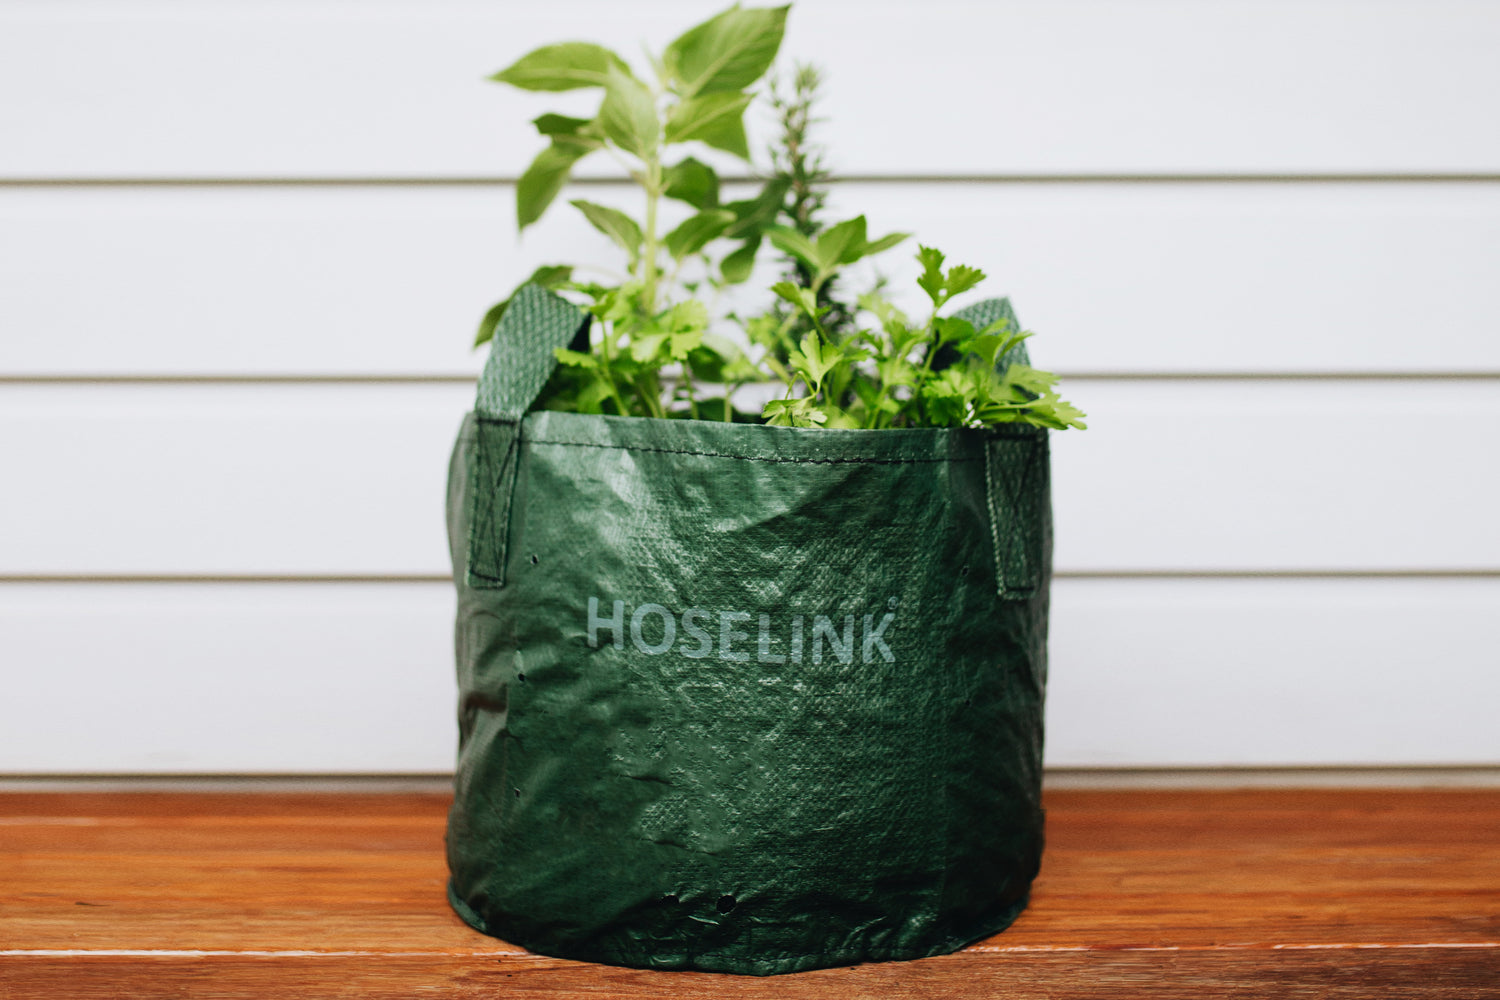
[(649, 273), (687, 380), (607, 349)]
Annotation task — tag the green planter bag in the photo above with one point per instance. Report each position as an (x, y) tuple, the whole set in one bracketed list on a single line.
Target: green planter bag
[(736, 697)]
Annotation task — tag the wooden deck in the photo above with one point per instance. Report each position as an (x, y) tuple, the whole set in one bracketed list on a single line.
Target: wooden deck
[(1157, 894)]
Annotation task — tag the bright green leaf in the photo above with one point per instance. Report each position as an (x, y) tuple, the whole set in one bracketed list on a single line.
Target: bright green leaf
[(738, 266), (642, 349), (788, 240), (548, 276), (613, 223), (550, 124), (715, 119), (490, 321), (628, 115), (802, 298), (841, 244), (727, 52), (693, 182), (753, 216), (960, 279), (931, 280), (567, 66), (696, 232), (575, 359), (883, 244), (542, 181)]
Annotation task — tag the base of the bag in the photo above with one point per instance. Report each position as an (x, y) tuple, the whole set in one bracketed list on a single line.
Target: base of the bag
[(738, 963)]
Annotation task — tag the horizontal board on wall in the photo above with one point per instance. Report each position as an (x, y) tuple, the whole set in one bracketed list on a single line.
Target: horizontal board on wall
[(1117, 278), (171, 88), (168, 678), (164, 678), (1254, 475)]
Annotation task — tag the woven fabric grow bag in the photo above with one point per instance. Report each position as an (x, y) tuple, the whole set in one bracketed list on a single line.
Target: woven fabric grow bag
[(735, 697)]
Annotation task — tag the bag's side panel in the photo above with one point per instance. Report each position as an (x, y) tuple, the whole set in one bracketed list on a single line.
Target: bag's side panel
[(746, 708)]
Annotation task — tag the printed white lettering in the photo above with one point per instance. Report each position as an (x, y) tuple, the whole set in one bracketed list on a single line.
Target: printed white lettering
[(668, 629), (873, 637), (615, 622), (843, 649), (690, 626), (728, 633), (763, 643)]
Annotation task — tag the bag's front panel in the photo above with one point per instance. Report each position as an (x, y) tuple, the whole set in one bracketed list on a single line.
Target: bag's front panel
[(748, 700)]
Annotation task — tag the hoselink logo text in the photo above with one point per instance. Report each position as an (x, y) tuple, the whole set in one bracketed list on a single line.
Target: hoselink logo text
[(698, 633)]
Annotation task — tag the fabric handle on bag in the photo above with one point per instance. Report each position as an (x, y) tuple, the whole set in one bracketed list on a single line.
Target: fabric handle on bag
[(1017, 473), (521, 361), (1017, 477)]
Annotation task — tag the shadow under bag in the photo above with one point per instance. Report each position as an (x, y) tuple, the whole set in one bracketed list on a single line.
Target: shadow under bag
[(735, 697)]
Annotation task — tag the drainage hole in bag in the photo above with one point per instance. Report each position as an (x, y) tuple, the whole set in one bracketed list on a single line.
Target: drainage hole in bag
[(534, 560), (726, 903)]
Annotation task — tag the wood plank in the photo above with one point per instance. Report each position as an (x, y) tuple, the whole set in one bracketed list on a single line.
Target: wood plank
[(357, 677), (394, 89), (1238, 893), (1116, 278), (1433, 973), (349, 479)]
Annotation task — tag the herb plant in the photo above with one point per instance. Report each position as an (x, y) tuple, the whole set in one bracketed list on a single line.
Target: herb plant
[(656, 350)]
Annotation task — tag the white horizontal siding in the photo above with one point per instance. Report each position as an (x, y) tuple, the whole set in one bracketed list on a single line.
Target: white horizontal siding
[(973, 124), (331, 678), (349, 479), (245, 88), (1368, 278)]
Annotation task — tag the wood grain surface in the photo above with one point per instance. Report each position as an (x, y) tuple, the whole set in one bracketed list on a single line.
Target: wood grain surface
[(1311, 892)]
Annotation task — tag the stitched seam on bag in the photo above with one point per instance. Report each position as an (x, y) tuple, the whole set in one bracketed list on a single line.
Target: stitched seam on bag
[(533, 442), (989, 485)]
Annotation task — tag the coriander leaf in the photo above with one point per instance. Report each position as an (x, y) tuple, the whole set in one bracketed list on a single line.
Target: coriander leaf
[(575, 359), (815, 359), (693, 182), (613, 223), (931, 280), (715, 119), (729, 51), (801, 412), (960, 279), (685, 316), (697, 231), (567, 66), (643, 348)]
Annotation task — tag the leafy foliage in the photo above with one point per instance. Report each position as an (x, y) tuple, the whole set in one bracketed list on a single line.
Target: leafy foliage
[(654, 352)]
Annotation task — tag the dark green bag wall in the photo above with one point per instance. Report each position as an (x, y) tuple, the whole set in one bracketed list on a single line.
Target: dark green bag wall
[(735, 697)]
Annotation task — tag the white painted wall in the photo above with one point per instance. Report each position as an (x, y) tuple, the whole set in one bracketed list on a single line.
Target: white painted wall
[(1262, 237)]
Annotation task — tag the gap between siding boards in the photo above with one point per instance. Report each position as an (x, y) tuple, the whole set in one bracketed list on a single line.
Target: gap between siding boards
[(895, 179)]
